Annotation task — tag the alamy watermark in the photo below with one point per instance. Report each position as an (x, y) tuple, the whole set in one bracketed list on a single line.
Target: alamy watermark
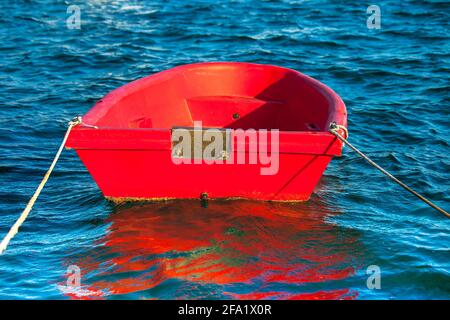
[(374, 279), (73, 281), (374, 20), (74, 20), (73, 285), (198, 145)]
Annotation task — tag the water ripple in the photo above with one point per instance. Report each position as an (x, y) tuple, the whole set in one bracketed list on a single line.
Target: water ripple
[(395, 82)]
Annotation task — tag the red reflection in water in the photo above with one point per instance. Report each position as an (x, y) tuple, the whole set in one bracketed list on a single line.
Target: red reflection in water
[(263, 250)]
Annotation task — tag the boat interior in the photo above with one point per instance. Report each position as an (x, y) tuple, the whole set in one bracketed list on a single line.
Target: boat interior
[(221, 95)]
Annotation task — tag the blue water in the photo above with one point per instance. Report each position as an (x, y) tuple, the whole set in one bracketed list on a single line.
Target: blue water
[(394, 81)]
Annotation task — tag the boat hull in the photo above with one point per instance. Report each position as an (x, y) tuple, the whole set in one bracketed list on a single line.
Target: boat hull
[(126, 175)]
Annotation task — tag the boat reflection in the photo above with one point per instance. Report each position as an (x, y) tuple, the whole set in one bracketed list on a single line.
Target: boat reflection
[(231, 249)]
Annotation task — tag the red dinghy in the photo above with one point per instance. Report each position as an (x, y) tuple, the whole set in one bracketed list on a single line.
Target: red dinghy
[(274, 124)]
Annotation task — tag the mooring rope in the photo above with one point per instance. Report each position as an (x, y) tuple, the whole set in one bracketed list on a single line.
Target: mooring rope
[(334, 128), (15, 228)]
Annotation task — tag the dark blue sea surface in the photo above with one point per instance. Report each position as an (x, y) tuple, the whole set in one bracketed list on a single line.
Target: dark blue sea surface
[(395, 82)]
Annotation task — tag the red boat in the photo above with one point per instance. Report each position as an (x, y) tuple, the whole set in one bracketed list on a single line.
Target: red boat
[(126, 140)]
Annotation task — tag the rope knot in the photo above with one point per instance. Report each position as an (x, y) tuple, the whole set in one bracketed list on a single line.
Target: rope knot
[(78, 120), (334, 127), (75, 121)]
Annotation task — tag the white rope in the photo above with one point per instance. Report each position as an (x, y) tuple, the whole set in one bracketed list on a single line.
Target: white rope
[(15, 228), (334, 130)]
